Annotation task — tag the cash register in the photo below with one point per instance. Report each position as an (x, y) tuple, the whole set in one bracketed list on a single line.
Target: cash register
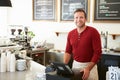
[(63, 72)]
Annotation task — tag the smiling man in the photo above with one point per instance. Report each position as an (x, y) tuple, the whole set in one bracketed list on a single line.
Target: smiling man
[(84, 44)]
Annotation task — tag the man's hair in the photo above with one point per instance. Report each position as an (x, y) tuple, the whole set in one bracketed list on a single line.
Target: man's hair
[(81, 10)]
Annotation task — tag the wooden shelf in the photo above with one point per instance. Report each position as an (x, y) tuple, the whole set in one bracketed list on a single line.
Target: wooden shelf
[(57, 33), (114, 35)]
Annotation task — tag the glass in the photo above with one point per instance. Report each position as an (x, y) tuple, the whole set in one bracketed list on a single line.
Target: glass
[(40, 76)]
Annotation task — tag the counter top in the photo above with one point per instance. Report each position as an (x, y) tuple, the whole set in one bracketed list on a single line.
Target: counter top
[(23, 75), (16, 47), (112, 53)]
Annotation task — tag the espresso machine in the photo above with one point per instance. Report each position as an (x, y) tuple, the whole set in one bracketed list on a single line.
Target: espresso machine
[(20, 36)]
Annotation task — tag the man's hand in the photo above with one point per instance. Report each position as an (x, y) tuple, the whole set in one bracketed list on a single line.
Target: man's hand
[(86, 73)]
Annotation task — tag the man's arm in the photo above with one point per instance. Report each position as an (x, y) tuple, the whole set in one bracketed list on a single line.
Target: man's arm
[(67, 58), (90, 66)]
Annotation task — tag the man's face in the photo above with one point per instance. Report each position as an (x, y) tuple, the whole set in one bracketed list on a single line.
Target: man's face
[(79, 19)]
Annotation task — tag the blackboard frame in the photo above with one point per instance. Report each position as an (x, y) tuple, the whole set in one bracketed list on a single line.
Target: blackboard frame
[(37, 13), (104, 19), (87, 6)]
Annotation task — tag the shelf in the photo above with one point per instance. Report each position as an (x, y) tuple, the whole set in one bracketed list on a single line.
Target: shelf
[(114, 35), (57, 33)]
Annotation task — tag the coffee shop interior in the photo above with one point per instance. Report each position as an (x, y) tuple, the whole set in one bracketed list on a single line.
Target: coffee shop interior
[(36, 32)]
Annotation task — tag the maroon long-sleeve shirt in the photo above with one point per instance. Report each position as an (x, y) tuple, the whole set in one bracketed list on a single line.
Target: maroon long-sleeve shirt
[(86, 46)]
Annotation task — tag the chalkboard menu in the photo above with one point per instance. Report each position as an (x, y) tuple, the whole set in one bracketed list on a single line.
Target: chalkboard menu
[(107, 10), (44, 9), (69, 6)]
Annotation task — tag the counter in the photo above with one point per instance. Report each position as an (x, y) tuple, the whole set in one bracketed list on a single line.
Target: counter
[(23, 75), (108, 59)]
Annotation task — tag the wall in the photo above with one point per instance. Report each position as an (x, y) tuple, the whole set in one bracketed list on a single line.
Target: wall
[(3, 20), (21, 14)]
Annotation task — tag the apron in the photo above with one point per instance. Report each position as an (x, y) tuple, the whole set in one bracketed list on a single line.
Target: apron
[(79, 65)]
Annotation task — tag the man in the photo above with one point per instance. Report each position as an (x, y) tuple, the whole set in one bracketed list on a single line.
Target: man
[(84, 44)]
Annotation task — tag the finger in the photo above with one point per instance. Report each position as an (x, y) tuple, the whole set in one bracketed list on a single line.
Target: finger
[(83, 77)]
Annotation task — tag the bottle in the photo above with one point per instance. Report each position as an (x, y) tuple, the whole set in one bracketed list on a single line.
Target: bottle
[(0, 64), (12, 62), (3, 62), (8, 59)]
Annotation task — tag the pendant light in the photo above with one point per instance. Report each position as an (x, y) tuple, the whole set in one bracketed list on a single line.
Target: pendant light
[(5, 3)]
